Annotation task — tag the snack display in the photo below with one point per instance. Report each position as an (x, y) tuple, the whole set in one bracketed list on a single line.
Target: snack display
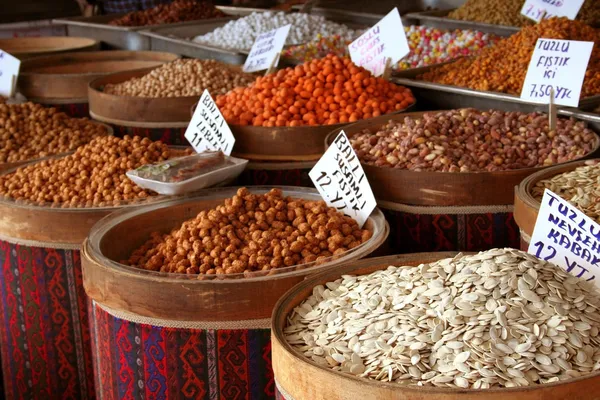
[(29, 131), (93, 176), (323, 92), (169, 13), (579, 187), (502, 67), (498, 319), (427, 45), (469, 140), (249, 233), (240, 34), (508, 12), (183, 77)]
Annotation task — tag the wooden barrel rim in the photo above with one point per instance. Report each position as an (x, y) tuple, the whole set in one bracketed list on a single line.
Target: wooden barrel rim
[(277, 166), (134, 290), (526, 206), (46, 45), (51, 101), (432, 188), (294, 372), (134, 124)]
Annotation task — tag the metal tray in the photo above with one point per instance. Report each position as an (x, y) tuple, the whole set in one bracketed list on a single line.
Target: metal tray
[(130, 37), (383, 7), (437, 19), (435, 96)]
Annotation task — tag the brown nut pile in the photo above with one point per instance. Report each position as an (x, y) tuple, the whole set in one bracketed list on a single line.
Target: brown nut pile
[(177, 11), (29, 131), (183, 77), (508, 12), (502, 67), (93, 176), (469, 140), (249, 233)]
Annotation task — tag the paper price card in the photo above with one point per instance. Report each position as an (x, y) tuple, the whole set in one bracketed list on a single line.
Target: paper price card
[(544, 9), (9, 72), (386, 39), (565, 236), (266, 49), (207, 129), (341, 181), (559, 65)]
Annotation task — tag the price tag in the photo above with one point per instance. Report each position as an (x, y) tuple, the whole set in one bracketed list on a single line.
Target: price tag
[(265, 49), (567, 237), (207, 129), (386, 39), (559, 65), (9, 72), (544, 9), (341, 181)]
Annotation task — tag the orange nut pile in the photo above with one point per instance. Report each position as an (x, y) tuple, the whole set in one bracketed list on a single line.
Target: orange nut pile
[(93, 176), (327, 91), (251, 232), (29, 131), (502, 68)]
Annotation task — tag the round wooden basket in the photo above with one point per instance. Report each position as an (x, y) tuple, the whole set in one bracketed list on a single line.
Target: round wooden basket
[(27, 47), (299, 378), (427, 188), (526, 206), (9, 166), (65, 77)]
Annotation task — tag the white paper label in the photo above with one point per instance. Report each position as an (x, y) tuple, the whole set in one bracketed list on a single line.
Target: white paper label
[(386, 39), (567, 237), (266, 47), (544, 9), (558, 64), (9, 72), (207, 129), (341, 181)]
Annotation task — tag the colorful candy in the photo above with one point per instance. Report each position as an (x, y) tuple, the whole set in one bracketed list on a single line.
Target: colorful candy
[(428, 46)]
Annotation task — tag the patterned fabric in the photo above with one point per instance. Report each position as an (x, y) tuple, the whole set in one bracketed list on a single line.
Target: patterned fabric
[(44, 333), (140, 361), (122, 6), (75, 110), (170, 136), (414, 233), (282, 177)]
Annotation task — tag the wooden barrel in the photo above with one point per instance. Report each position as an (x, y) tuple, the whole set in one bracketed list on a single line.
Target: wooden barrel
[(298, 378), (291, 173), (27, 47), (442, 211), (162, 335), (527, 207), (62, 80)]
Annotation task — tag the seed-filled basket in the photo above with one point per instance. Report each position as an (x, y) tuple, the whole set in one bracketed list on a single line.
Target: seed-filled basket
[(336, 374), (62, 80), (443, 211), (527, 203), (175, 335)]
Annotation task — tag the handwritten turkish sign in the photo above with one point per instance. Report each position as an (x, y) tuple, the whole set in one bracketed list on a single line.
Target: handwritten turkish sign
[(544, 9), (9, 72), (266, 48), (386, 39), (341, 181), (567, 237), (207, 129), (559, 65)]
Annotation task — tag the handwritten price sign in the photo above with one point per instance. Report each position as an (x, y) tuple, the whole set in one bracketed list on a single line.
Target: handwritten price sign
[(544, 9), (341, 181), (9, 72), (207, 129), (266, 48)]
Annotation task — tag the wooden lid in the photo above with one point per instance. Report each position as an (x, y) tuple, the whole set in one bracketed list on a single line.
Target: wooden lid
[(526, 206), (66, 76), (136, 110), (303, 379), (429, 188), (26, 47), (185, 297)]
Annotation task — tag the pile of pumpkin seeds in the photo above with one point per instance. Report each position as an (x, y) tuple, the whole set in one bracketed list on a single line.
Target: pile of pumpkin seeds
[(501, 318), (580, 187)]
